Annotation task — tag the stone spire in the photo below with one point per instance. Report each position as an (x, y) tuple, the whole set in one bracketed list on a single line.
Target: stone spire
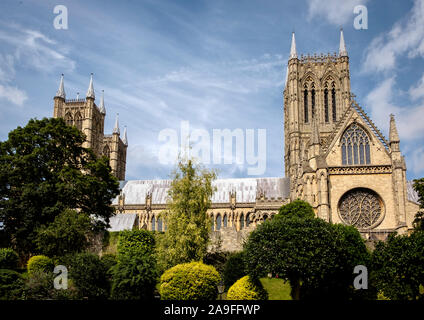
[(293, 53), (102, 103), (116, 128), (393, 134), (61, 91), (90, 91), (342, 47), (125, 139)]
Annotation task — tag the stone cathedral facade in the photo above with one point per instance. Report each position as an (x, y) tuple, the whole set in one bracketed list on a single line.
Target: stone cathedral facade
[(335, 158), (90, 119)]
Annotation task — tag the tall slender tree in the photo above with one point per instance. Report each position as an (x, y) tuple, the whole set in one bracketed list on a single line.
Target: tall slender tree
[(187, 224)]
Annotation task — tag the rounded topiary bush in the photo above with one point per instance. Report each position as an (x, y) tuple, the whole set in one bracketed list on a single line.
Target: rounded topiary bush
[(189, 281), (40, 263), (247, 289), (8, 259)]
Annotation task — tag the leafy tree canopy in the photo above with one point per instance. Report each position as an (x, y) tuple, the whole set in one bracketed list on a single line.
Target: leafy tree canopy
[(297, 208), (398, 267), (317, 257), (44, 169)]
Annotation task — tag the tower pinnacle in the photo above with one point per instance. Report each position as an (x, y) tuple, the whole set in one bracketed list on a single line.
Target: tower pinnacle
[(102, 103), (293, 53), (116, 128), (393, 134), (90, 91), (61, 91), (125, 139), (342, 47)]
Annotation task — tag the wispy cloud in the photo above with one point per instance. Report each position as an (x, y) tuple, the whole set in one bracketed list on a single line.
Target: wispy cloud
[(405, 37), (335, 12)]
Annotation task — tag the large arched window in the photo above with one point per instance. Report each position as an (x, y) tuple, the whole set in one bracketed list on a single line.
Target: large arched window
[(160, 224), (242, 221), (313, 101), (247, 219), (225, 220), (361, 208), (355, 146)]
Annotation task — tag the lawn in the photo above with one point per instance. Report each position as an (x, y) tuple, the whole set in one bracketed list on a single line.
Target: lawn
[(277, 289)]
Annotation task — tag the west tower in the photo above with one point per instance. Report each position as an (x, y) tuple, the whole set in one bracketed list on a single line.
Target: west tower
[(90, 118)]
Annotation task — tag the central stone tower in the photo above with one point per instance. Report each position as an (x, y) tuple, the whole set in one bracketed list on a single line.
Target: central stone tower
[(317, 93)]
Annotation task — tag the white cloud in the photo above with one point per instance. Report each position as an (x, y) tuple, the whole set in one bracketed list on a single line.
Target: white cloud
[(404, 37), (13, 94), (336, 12), (416, 92)]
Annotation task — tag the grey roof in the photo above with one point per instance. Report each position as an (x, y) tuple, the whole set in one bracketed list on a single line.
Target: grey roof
[(412, 194), (246, 189), (120, 222)]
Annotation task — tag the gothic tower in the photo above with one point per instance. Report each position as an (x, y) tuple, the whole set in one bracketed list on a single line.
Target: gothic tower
[(317, 89), (90, 118)]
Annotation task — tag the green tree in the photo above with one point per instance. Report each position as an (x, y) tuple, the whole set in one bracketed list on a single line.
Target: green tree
[(68, 233), (318, 258), (398, 266), (44, 169), (419, 217), (188, 224), (297, 208), (135, 274)]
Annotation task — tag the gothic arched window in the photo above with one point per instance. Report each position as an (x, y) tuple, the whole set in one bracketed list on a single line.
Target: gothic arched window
[(106, 151), (68, 119), (78, 121), (355, 146), (242, 221), (326, 105), (218, 222), (361, 208), (313, 101), (333, 100), (305, 104), (160, 224), (225, 221), (247, 219), (153, 224)]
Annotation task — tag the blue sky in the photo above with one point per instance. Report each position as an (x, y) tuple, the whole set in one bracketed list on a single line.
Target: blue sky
[(215, 63)]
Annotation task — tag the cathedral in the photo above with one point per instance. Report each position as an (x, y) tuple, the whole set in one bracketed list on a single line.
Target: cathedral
[(335, 158), (90, 119)]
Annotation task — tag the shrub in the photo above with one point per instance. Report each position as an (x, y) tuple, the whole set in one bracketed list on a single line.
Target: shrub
[(39, 285), (108, 260), (40, 263), (11, 285), (134, 277), (234, 268), (8, 259), (189, 281), (135, 241), (88, 274), (247, 289)]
